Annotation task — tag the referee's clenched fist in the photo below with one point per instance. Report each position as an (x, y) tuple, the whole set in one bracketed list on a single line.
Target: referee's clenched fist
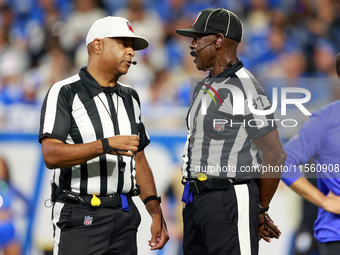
[(126, 145)]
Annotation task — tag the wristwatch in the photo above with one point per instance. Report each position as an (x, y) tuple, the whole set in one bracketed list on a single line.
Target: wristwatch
[(262, 209)]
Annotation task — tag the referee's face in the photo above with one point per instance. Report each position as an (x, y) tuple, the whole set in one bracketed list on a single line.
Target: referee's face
[(204, 58), (116, 55)]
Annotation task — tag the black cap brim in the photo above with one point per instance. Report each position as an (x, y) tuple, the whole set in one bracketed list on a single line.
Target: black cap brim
[(140, 43), (188, 32)]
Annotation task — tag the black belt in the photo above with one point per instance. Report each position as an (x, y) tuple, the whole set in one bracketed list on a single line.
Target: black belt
[(213, 184), (105, 201)]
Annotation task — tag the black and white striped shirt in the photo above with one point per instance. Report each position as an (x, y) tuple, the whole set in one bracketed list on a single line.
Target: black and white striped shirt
[(219, 141), (78, 110)]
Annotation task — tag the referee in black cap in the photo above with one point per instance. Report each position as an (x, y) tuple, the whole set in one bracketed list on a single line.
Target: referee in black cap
[(93, 136), (226, 192)]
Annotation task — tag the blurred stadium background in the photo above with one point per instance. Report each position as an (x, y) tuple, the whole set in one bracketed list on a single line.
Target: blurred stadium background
[(286, 43)]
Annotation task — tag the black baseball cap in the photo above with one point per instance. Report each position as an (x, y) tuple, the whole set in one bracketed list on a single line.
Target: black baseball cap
[(214, 21)]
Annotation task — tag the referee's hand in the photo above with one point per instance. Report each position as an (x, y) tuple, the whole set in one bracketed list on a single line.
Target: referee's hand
[(159, 233), (270, 230), (261, 224), (125, 145)]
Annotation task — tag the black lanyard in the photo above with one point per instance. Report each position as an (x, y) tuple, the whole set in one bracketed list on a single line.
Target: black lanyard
[(113, 113)]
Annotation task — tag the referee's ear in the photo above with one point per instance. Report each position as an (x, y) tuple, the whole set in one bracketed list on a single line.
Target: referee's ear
[(96, 46), (219, 40)]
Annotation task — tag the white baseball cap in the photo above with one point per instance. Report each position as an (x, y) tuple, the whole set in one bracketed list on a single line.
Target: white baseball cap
[(115, 27)]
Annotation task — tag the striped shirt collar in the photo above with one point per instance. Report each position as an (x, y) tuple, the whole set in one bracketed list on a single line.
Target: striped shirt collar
[(230, 71), (93, 87)]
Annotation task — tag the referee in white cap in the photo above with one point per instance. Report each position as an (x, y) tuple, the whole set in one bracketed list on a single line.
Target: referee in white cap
[(93, 137)]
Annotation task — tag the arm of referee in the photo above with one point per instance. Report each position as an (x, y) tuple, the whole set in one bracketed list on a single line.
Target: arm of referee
[(273, 156), (145, 180), (58, 154)]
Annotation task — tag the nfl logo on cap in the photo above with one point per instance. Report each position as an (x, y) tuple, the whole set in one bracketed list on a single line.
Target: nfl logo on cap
[(88, 220)]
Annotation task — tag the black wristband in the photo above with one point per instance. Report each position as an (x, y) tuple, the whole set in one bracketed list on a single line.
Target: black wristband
[(150, 198), (106, 145), (262, 209)]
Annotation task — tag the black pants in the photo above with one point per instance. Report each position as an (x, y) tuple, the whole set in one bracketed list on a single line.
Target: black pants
[(82, 229), (330, 248), (222, 222)]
